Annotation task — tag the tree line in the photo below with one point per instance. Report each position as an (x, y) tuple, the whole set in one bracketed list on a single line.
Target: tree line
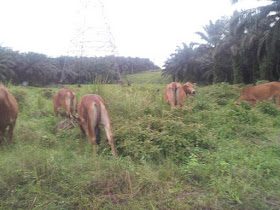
[(39, 69), (242, 48)]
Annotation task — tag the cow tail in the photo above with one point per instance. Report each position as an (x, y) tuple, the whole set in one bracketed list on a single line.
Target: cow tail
[(174, 96), (73, 104), (98, 134), (97, 128)]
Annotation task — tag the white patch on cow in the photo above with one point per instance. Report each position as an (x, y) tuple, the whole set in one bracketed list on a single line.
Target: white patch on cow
[(74, 105), (177, 95), (94, 115), (68, 100), (171, 95)]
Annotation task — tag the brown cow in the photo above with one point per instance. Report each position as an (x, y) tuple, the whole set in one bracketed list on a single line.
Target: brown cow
[(189, 88), (8, 112), (263, 92), (66, 99), (174, 94), (92, 113)]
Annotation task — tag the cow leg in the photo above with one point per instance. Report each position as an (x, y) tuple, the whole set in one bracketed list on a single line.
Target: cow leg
[(180, 97), (10, 132), (82, 131), (106, 122), (98, 134), (177, 98), (172, 98), (67, 111), (66, 106), (109, 135), (171, 103), (91, 134), (73, 105)]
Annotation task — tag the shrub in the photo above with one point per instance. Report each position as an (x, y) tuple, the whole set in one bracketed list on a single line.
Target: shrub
[(21, 96), (47, 93), (268, 108)]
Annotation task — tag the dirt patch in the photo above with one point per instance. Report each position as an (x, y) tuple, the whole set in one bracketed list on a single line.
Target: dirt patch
[(65, 124)]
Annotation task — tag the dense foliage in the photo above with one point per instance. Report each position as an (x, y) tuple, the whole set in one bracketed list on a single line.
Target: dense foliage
[(38, 69), (239, 49)]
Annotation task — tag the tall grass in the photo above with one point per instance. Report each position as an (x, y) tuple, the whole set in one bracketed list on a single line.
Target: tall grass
[(207, 154)]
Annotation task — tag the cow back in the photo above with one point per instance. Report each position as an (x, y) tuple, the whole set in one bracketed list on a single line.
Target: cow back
[(65, 97), (86, 103), (262, 92), (180, 94), (170, 93)]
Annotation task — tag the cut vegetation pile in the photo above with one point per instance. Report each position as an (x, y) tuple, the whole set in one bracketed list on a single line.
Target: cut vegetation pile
[(208, 154)]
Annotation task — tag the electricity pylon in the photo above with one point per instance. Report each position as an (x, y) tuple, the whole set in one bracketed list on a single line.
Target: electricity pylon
[(93, 36)]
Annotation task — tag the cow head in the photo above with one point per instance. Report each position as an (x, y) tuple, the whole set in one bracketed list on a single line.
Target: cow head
[(78, 119), (189, 88), (242, 98), (238, 101), (82, 123)]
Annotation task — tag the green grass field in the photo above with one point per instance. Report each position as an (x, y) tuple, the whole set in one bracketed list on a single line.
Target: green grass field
[(209, 154), (149, 77)]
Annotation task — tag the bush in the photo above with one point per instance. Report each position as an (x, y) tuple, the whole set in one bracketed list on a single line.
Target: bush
[(268, 108), (47, 93), (21, 96)]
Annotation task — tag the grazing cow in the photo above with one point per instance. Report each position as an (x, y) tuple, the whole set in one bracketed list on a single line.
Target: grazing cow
[(8, 112), (174, 94), (263, 92), (189, 88), (66, 99), (92, 113)]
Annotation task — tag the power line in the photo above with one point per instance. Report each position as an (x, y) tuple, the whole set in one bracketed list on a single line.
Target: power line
[(93, 32), (93, 37)]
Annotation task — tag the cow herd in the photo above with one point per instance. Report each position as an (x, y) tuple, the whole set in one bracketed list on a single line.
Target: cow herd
[(92, 111)]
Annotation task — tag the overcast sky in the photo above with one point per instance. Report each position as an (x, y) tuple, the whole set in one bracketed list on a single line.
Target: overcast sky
[(140, 28)]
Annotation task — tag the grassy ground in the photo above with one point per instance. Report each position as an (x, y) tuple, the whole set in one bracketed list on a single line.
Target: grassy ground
[(208, 154), (149, 77)]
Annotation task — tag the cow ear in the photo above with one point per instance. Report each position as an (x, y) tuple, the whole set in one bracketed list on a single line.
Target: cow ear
[(185, 85)]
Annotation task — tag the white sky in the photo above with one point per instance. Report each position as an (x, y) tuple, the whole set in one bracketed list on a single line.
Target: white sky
[(141, 28)]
